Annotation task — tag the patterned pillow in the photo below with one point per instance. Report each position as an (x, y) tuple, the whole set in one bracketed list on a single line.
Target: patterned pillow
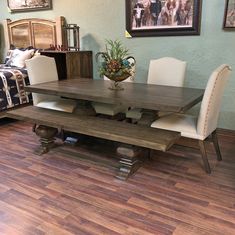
[(8, 56), (12, 48), (18, 57)]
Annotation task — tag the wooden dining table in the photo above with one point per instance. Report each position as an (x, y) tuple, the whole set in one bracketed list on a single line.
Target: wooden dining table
[(134, 141), (139, 95)]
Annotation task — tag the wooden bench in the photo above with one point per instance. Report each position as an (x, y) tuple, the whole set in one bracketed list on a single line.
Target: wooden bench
[(127, 133)]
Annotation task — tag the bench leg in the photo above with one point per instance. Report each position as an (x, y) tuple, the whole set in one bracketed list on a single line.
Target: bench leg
[(131, 159), (46, 135)]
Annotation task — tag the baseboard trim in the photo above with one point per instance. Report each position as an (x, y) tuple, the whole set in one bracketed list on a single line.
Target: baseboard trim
[(226, 132)]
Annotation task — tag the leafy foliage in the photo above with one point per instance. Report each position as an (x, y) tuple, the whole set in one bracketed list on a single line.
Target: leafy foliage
[(115, 61)]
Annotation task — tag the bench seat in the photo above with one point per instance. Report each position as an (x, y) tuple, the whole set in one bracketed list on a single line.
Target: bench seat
[(131, 157), (123, 132)]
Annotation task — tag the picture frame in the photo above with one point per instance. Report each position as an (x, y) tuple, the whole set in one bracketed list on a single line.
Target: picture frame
[(30, 5), (145, 18), (229, 15)]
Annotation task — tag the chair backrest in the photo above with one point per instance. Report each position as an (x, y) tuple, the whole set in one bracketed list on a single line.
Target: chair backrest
[(167, 71), (211, 102), (41, 69)]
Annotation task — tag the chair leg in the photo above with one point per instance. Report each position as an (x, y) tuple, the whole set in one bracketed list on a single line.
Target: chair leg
[(150, 154), (204, 156), (63, 135), (216, 145), (34, 127)]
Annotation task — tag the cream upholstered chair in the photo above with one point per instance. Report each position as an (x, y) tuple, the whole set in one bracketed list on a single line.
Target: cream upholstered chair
[(201, 126), (166, 71), (43, 69)]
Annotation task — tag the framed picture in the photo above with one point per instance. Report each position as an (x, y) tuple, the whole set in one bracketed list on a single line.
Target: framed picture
[(229, 15), (162, 17), (29, 5)]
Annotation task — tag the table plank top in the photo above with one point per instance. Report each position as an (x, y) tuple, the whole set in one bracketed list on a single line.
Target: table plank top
[(139, 95)]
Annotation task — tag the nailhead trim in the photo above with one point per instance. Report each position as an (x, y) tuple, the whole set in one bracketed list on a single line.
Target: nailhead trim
[(209, 105)]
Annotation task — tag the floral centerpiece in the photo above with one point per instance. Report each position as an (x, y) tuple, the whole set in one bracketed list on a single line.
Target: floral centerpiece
[(116, 64)]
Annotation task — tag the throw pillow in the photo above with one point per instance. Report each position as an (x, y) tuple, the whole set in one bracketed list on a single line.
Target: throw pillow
[(18, 57), (8, 56)]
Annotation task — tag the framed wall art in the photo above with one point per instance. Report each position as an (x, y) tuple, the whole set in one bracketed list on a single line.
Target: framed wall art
[(229, 15), (162, 17), (28, 5)]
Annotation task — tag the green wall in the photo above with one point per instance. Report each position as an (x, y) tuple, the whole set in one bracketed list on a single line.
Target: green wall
[(102, 19)]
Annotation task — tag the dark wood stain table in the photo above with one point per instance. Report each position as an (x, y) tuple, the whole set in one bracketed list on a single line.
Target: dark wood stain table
[(148, 97), (152, 97)]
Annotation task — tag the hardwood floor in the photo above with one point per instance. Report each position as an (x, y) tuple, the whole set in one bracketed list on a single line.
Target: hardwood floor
[(63, 193)]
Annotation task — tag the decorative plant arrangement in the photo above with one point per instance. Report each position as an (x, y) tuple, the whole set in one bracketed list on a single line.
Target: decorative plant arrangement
[(115, 63)]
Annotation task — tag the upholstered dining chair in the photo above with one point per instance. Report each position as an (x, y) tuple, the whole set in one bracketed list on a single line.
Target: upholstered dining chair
[(205, 124), (43, 69), (166, 71)]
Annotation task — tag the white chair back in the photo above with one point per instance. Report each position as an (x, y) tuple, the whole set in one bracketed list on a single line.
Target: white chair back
[(41, 69), (211, 102), (167, 71)]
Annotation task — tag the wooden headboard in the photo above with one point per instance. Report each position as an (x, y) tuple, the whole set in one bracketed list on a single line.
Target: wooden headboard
[(39, 33)]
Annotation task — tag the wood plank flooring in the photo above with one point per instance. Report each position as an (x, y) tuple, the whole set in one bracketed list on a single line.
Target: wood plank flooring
[(65, 192)]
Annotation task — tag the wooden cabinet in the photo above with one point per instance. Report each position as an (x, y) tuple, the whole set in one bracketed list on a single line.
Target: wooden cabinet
[(72, 64)]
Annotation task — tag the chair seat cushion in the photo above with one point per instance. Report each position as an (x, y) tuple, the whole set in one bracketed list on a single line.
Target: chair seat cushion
[(108, 109), (134, 113), (186, 124), (64, 105)]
